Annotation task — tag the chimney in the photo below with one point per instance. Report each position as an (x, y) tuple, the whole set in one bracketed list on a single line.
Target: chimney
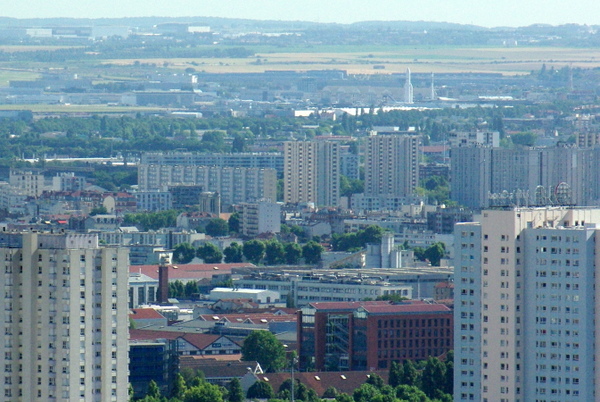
[(163, 282)]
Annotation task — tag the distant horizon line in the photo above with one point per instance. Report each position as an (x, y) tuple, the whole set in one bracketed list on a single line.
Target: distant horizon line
[(537, 24)]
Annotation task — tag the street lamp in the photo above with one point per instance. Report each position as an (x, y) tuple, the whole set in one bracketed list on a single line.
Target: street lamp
[(293, 363)]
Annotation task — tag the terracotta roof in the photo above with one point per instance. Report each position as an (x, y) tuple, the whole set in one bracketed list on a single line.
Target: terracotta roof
[(149, 335), (343, 381), (214, 369), (347, 305), (188, 271), (408, 308), (145, 314)]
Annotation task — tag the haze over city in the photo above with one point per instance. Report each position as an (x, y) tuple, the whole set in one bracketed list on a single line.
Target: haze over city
[(485, 13)]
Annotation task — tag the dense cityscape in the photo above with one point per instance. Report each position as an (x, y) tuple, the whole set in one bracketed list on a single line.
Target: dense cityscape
[(209, 209)]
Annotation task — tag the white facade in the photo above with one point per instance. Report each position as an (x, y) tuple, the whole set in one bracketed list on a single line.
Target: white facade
[(234, 185), (261, 217), (31, 182), (257, 295), (67, 182), (526, 306), (154, 200), (65, 318)]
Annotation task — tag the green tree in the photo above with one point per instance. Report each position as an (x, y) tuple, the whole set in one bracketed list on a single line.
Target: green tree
[(435, 253), (266, 349), (190, 288), (254, 250), (311, 252), (410, 393), (183, 253), (176, 289), (433, 377), (204, 392), (217, 227), (274, 252), (233, 253), (410, 374), (238, 144), (236, 393), (376, 381), (153, 390), (330, 393), (395, 377), (179, 387), (213, 141), (526, 139), (449, 381), (293, 253), (98, 211), (343, 398), (234, 222), (366, 393), (210, 253), (260, 390)]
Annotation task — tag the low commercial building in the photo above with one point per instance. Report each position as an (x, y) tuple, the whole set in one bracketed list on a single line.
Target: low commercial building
[(257, 295), (302, 289)]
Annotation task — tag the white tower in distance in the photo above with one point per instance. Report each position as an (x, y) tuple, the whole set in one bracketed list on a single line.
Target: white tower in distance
[(408, 88), (433, 96)]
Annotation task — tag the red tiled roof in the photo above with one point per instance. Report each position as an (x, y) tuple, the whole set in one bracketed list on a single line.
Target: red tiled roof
[(149, 335), (408, 308), (188, 271), (347, 305), (343, 381), (145, 314)]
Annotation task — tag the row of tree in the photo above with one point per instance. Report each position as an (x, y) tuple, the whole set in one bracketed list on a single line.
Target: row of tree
[(269, 252)]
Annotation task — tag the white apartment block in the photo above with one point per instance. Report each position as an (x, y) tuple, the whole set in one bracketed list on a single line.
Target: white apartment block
[(391, 164), (526, 308), (31, 182), (471, 138), (478, 173), (259, 217), (65, 318), (235, 185), (311, 172), (154, 200)]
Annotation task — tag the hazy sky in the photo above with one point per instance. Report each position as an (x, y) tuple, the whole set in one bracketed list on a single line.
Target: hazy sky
[(479, 12)]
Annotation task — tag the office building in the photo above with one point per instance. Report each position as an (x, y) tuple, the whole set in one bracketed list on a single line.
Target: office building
[(312, 172), (65, 318), (526, 305), (391, 164), (370, 335)]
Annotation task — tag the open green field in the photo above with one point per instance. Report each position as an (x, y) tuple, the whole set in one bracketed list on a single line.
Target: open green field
[(361, 60), (15, 75)]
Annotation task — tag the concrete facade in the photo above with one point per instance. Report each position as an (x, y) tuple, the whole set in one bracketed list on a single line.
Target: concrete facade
[(65, 318)]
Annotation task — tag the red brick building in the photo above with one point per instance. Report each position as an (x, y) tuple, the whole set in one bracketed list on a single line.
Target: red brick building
[(371, 335)]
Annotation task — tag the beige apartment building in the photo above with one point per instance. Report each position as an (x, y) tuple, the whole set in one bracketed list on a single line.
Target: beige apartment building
[(65, 318)]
